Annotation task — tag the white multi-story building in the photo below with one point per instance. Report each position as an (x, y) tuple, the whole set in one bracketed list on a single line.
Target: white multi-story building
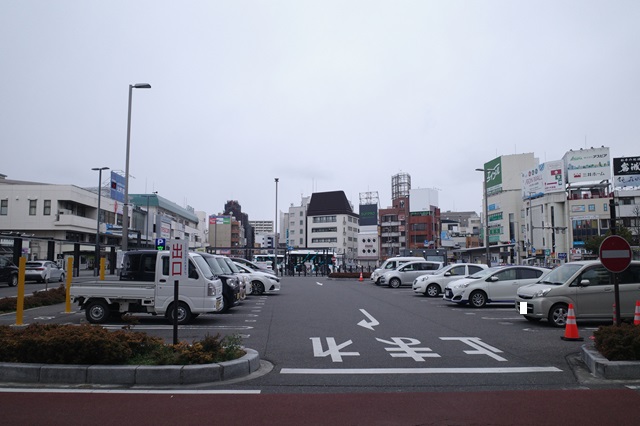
[(66, 215), (332, 224), (294, 224)]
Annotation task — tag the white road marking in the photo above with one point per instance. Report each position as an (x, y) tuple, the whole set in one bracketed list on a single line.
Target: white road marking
[(138, 391), (489, 370), (319, 283), (182, 327), (368, 324)]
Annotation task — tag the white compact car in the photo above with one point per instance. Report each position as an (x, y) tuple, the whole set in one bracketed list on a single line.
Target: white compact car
[(432, 285), (493, 285), (408, 272), (260, 282)]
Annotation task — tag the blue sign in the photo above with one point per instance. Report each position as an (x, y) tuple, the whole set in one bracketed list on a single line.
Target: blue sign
[(562, 255), (161, 243), (117, 187)]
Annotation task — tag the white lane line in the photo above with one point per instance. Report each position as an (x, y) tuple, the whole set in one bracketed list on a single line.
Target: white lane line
[(139, 391), (182, 327), (489, 370)]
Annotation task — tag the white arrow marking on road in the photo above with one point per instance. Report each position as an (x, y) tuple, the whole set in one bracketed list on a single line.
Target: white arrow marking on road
[(318, 283), (372, 323)]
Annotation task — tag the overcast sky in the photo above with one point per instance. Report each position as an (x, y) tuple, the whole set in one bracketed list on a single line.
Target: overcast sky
[(325, 95)]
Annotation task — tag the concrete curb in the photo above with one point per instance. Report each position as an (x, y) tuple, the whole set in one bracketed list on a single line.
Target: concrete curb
[(601, 367), (130, 374)]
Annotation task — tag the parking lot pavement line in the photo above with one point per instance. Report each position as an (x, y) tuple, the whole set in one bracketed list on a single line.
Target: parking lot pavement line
[(182, 327), (502, 319), (129, 391), (444, 370)]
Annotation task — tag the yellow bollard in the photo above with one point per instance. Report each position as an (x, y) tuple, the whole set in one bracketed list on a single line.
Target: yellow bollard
[(67, 309), (22, 265), (103, 262)]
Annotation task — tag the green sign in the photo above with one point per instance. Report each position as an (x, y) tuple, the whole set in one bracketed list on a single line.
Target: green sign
[(493, 174)]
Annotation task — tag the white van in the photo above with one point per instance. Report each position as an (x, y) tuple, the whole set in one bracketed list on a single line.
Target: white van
[(585, 284), (391, 264)]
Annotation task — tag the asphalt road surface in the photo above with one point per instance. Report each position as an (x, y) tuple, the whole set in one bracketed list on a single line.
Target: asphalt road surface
[(349, 352)]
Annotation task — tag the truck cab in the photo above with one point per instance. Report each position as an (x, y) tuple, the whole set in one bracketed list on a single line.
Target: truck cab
[(146, 286)]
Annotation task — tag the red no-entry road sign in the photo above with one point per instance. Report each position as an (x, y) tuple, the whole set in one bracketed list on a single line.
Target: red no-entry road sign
[(615, 253)]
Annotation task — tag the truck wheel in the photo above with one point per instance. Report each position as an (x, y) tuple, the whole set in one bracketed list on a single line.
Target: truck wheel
[(97, 312), (184, 313)]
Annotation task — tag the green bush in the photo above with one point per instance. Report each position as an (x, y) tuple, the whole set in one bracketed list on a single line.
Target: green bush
[(618, 343), (39, 298), (90, 344)]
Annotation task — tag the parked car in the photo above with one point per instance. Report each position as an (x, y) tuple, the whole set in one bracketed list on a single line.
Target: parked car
[(252, 265), (408, 272), (43, 271), (585, 284), (433, 285), (389, 265), (230, 277), (259, 282), (8, 272), (493, 285)]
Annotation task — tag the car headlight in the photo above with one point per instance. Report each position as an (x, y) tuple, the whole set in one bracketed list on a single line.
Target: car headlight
[(541, 293), (424, 278), (232, 282)]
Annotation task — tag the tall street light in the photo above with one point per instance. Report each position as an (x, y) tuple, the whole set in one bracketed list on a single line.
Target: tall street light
[(486, 217), (125, 208), (147, 196), (97, 261), (275, 229)]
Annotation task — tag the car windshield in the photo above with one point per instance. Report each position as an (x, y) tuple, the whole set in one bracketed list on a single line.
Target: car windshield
[(232, 266), (36, 264), (560, 275), (204, 266), (223, 265), (485, 272), (213, 265)]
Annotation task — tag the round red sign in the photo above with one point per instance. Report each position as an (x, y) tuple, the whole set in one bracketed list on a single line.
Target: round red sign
[(615, 253)]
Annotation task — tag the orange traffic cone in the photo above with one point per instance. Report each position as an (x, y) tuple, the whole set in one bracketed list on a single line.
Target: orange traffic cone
[(571, 329), (636, 316), (360, 279)]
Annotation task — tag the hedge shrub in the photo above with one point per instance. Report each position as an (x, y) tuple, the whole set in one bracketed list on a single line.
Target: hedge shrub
[(90, 344), (618, 343), (38, 298)]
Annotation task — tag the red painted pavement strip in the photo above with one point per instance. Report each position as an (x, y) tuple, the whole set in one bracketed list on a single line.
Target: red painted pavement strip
[(547, 407)]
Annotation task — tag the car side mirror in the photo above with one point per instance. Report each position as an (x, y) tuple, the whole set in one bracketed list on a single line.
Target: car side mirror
[(585, 283), (447, 274), (493, 279)]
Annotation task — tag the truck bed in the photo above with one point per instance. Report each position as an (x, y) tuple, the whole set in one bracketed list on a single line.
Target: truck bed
[(113, 290)]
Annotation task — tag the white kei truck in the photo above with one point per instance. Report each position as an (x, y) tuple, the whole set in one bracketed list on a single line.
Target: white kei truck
[(146, 286)]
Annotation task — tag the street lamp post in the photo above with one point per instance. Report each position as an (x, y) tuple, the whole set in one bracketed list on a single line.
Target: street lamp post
[(125, 207), (486, 218), (147, 225), (97, 261), (275, 230)]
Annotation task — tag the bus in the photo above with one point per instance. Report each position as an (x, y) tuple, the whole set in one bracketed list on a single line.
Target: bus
[(267, 260), (310, 260)]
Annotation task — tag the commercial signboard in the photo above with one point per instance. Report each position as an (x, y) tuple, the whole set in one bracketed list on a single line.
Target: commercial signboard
[(588, 165), (219, 220), (546, 178), (493, 176), (626, 172), (368, 214), (117, 187)]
